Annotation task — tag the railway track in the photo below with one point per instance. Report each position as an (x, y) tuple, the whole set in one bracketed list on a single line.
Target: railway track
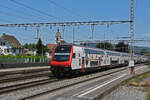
[(76, 83), (24, 77), (67, 86), (26, 85), (19, 83), (6, 74), (22, 86)]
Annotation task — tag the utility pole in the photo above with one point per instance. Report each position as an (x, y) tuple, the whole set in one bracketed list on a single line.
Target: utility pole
[(73, 34), (38, 32), (131, 62), (105, 37), (63, 30), (104, 40), (92, 27)]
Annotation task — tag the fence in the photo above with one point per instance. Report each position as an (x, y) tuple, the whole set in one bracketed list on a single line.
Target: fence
[(23, 60)]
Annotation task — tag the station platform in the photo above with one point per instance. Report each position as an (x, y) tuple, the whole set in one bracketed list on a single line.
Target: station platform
[(98, 88)]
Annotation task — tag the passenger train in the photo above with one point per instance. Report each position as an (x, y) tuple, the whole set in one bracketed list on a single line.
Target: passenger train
[(68, 60)]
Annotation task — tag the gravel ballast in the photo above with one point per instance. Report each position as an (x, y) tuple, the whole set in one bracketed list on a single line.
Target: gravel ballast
[(19, 94), (47, 87), (126, 93)]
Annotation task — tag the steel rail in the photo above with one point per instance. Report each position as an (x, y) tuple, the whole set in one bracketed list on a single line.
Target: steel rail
[(67, 86), (30, 76), (21, 86), (70, 85)]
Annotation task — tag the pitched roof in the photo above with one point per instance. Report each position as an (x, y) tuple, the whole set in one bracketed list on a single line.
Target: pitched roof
[(12, 41), (51, 46)]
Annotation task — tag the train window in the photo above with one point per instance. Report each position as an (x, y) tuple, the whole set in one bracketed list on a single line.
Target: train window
[(74, 55), (79, 62), (61, 58), (90, 51), (63, 49), (93, 63), (113, 53)]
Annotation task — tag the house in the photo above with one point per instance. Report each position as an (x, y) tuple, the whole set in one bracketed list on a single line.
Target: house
[(51, 47), (30, 52), (10, 45)]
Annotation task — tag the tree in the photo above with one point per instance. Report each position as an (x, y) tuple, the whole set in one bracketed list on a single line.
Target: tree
[(144, 51), (26, 45), (39, 47), (46, 49), (105, 45), (30, 46), (34, 46), (122, 47)]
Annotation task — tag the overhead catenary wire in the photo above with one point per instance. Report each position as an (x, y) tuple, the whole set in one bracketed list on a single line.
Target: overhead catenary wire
[(73, 34), (4, 20), (66, 9), (33, 9), (5, 31), (18, 16), (40, 18), (99, 41)]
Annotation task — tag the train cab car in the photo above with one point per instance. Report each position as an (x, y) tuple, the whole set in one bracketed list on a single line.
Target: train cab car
[(68, 60), (61, 60)]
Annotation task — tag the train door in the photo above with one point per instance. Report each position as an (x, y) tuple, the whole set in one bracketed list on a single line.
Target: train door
[(102, 60), (74, 61), (105, 60), (83, 65), (99, 60), (110, 61), (76, 58)]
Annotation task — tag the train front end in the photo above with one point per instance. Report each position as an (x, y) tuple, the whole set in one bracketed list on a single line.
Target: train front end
[(61, 60)]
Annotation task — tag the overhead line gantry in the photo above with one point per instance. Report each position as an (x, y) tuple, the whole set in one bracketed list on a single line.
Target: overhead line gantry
[(65, 23), (101, 41)]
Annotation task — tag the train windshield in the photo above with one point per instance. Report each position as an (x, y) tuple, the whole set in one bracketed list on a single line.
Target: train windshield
[(62, 53)]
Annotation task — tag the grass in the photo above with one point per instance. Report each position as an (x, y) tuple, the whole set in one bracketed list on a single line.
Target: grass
[(19, 56), (137, 78), (137, 81), (21, 59)]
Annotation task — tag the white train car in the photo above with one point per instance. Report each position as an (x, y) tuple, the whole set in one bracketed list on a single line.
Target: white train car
[(72, 59)]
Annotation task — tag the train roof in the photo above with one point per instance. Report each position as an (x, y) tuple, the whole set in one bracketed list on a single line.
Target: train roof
[(99, 49)]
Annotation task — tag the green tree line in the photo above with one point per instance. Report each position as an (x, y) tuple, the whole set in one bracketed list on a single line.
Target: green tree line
[(39, 47), (120, 47)]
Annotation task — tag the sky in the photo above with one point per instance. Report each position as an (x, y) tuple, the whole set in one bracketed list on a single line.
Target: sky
[(36, 11)]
